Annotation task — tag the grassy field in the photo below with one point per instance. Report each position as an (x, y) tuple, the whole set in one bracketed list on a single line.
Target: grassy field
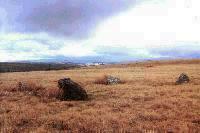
[(148, 101)]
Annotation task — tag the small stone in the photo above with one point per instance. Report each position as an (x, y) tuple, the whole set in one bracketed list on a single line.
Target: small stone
[(183, 78), (112, 80)]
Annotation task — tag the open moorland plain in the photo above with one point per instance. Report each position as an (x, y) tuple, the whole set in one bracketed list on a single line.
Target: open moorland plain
[(148, 100)]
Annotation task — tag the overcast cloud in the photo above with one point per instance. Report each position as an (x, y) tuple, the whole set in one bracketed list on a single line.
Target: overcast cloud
[(69, 18), (114, 30)]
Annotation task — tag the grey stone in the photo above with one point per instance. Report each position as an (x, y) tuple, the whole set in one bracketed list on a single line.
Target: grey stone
[(112, 80), (183, 78)]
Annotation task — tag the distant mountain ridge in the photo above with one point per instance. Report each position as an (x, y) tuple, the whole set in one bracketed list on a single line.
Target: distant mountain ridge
[(34, 66)]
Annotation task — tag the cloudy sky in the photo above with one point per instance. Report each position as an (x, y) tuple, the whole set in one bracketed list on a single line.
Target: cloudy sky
[(114, 30)]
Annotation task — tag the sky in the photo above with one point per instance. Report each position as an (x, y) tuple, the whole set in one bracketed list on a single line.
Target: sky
[(104, 30)]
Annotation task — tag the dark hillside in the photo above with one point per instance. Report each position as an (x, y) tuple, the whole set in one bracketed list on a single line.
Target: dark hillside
[(24, 67)]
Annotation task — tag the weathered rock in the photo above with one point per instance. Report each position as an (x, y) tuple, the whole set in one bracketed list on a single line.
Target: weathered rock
[(183, 78), (71, 90), (112, 80)]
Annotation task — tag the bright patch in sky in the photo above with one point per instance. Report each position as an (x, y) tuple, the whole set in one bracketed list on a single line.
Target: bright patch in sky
[(153, 24), (150, 29)]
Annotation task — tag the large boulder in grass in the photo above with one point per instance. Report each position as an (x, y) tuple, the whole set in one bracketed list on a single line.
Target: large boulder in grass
[(71, 90), (183, 78)]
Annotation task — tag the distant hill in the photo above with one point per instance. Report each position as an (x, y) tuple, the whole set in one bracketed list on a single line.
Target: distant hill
[(34, 66)]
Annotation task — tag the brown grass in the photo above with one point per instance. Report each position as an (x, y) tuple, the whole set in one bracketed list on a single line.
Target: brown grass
[(34, 89), (101, 80), (149, 101)]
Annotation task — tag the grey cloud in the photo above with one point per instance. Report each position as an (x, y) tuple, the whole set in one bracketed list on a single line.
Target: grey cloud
[(18, 45), (44, 42), (113, 51), (190, 50), (69, 18)]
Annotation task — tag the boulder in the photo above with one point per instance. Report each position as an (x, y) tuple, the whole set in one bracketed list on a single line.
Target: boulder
[(112, 80), (183, 78), (71, 90)]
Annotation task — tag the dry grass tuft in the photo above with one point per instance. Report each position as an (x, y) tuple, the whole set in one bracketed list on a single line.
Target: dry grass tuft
[(30, 88), (57, 125), (53, 93), (33, 89), (101, 80)]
